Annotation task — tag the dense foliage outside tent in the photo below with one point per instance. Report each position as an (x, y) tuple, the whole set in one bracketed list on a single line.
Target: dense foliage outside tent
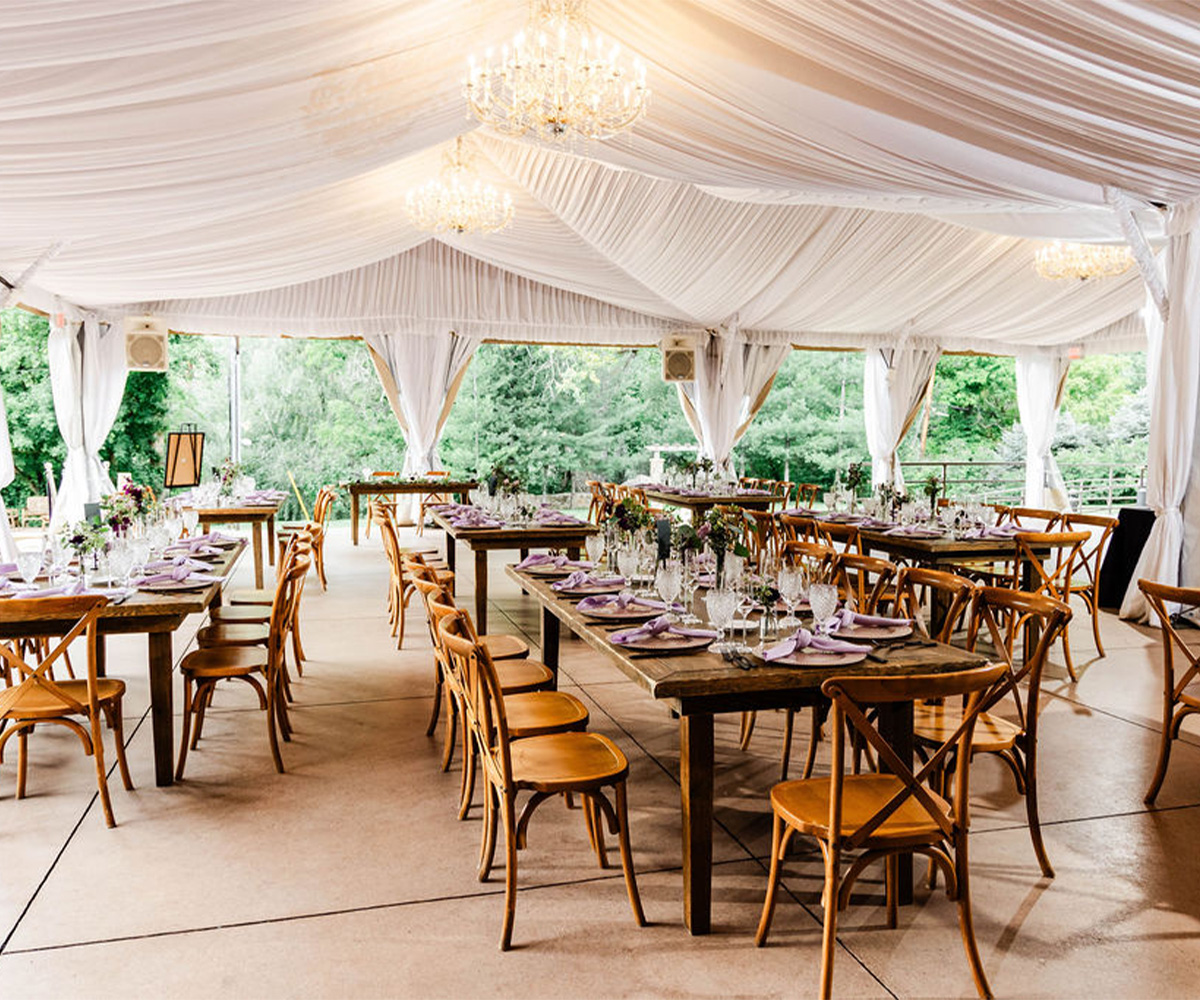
[(554, 416)]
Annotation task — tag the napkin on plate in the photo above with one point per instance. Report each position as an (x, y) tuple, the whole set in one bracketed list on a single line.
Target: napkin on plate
[(545, 561), (178, 574), (624, 601), (847, 617), (582, 578), (804, 639), (659, 626)]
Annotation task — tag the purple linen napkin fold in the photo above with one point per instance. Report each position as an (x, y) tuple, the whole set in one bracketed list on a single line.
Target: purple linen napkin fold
[(582, 578), (180, 560), (177, 575), (1004, 531), (659, 626), (540, 559), (623, 601), (915, 531), (848, 617), (76, 589), (804, 639), (8, 567)]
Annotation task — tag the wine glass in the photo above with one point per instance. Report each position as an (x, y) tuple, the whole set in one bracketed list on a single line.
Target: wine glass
[(791, 589), (822, 599), (29, 564), (689, 583), (191, 520), (720, 605), (647, 558), (120, 562), (139, 554), (595, 547), (668, 581), (627, 562)]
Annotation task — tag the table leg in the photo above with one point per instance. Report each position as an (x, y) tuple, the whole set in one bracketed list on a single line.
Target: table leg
[(101, 656), (353, 518), (161, 708), (481, 589), (451, 552), (271, 539), (696, 787), (550, 638), (1033, 626), (896, 726), (257, 534)]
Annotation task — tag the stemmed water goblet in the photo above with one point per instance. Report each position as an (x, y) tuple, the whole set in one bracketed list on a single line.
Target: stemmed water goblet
[(689, 583), (627, 562), (721, 605), (120, 562), (822, 599), (669, 581), (29, 564), (791, 588), (594, 544), (191, 520)]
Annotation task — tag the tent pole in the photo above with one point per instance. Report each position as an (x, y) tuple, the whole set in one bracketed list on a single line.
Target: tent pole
[(235, 399)]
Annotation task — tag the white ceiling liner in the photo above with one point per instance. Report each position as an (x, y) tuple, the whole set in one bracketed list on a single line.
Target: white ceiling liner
[(821, 171)]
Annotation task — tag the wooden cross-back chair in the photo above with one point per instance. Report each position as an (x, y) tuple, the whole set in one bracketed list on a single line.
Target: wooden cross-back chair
[(1033, 518), (864, 579), (834, 533), (815, 552), (1178, 701), (545, 766), (783, 493), (1013, 742), (378, 474), (262, 665), (807, 494), (431, 499), (953, 594), (763, 538), (1087, 578), (36, 698), (748, 482), (316, 526), (1051, 573), (889, 814), (797, 528)]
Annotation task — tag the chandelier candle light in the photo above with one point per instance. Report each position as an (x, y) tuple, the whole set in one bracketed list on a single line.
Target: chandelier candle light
[(557, 81), (458, 202), (1061, 261)]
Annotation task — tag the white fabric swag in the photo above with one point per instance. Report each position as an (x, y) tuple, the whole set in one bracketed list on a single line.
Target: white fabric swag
[(1041, 382), (426, 370), (87, 379), (894, 384), (732, 380), (1173, 370), (8, 472)]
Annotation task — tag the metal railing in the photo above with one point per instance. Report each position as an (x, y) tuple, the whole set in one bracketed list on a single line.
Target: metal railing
[(1090, 485)]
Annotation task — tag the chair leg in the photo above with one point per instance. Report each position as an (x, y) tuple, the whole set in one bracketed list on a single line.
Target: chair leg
[(785, 759), (1031, 811), (966, 922), (814, 737), (487, 851), (117, 724), (298, 646), (1094, 607), (768, 911), (829, 936), (1066, 640), (597, 824), (635, 899), (510, 873), (469, 760), (273, 696), (891, 878), (1164, 755), (437, 699), (22, 760), (450, 732), (185, 727), (748, 719), (101, 775), (203, 698)]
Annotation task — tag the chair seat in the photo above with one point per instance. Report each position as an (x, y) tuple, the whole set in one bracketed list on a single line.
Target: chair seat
[(566, 760), (516, 676), (244, 614), (250, 596), (505, 647), (934, 724), (233, 634), (36, 702), (804, 804), (536, 713), (225, 661)]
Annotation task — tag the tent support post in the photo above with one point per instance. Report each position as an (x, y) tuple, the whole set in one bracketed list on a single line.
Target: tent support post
[(235, 399)]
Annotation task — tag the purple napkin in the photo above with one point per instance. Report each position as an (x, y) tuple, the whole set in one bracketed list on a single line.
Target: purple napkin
[(801, 512), (538, 559), (659, 626), (582, 578), (804, 639), (746, 491), (76, 589), (178, 574), (6, 568), (848, 617), (915, 531), (1002, 531), (176, 561), (624, 601)]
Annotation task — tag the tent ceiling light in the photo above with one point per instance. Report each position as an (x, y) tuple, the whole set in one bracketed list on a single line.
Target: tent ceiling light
[(1061, 261), (558, 80), (458, 201)]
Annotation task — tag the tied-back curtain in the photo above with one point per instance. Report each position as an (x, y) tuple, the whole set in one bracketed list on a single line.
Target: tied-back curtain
[(732, 381), (1173, 369), (1041, 382), (425, 370), (894, 384), (8, 472), (87, 379)]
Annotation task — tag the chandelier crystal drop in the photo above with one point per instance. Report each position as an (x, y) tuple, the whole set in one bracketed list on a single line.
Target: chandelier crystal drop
[(458, 201), (1062, 261), (558, 81)]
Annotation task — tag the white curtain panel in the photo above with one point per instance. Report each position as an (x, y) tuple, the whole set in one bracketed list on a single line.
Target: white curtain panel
[(1041, 381), (8, 472), (731, 374), (895, 381), (1173, 368), (87, 379), (424, 367)]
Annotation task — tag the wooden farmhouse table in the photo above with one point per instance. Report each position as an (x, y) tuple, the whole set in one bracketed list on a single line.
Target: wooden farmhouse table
[(699, 505), (461, 488), (698, 686), (158, 615), (481, 541), (256, 516)]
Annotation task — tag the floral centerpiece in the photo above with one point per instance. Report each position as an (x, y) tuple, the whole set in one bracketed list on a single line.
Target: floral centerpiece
[(854, 479), (631, 516), (227, 474), (85, 537), (931, 487), (700, 465), (122, 507), (890, 499), (724, 534), (501, 482), (686, 539)]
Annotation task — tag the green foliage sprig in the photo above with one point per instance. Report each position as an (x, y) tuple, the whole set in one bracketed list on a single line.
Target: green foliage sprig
[(724, 532), (685, 538), (931, 487), (630, 515), (84, 537), (854, 477)]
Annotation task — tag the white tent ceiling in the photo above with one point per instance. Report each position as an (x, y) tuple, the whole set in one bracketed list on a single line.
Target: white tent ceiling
[(823, 172)]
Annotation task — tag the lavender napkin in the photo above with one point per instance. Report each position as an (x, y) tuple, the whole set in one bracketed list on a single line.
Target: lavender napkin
[(659, 626), (178, 574), (176, 561), (582, 578), (848, 617), (1001, 531), (624, 601), (8, 568), (76, 589), (541, 560), (804, 639), (915, 531)]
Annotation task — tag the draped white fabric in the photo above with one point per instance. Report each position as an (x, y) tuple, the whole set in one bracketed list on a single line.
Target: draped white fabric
[(895, 381), (8, 472), (1173, 367), (731, 375), (1041, 381), (87, 379), (424, 367)]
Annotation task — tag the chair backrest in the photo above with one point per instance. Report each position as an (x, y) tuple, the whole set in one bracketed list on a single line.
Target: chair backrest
[(807, 494), (852, 695), (783, 492), (323, 505), (377, 474), (1034, 518), (82, 612), (1100, 528), (1052, 572), (914, 582), (815, 552), (1158, 596), (285, 603), (863, 578), (763, 537), (797, 528), (37, 506), (834, 532)]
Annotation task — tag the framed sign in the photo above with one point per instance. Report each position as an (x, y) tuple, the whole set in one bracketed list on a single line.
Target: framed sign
[(185, 457)]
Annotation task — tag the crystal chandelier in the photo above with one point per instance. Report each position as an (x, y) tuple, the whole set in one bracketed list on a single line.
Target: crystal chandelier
[(458, 202), (1060, 261), (557, 81)]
